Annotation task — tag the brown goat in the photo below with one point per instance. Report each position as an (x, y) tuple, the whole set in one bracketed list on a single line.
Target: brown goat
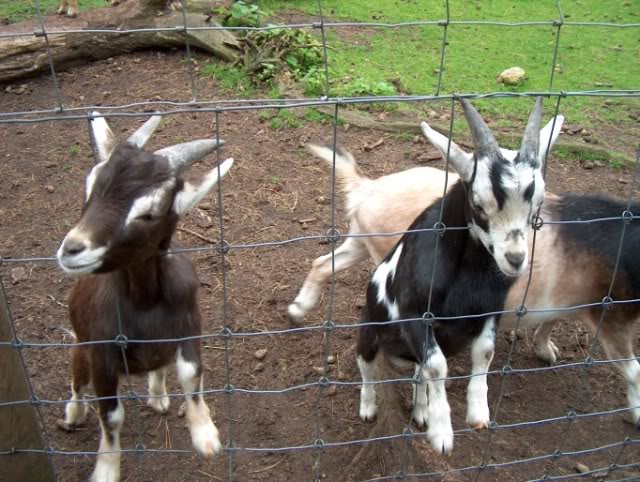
[(133, 290)]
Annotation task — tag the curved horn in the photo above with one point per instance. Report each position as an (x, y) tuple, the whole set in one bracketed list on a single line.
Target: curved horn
[(142, 135), (103, 137), (483, 139), (530, 146), (181, 156)]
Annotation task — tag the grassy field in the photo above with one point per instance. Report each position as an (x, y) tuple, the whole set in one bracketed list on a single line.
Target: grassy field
[(12, 11), (589, 58)]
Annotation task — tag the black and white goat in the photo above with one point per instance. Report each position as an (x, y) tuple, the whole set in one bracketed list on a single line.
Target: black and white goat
[(133, 202), (496, 198)]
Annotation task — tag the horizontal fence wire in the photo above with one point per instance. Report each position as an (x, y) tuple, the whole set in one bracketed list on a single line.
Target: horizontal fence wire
[(227, 333)]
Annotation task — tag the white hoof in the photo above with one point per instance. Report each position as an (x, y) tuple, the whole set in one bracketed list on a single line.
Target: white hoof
[(62, 11), (206, 439), (420, 415), (368, 410), (548, 352), (440, 434), (75, 413), (107, 469), (296, 313), (478, 416), (159, 404)]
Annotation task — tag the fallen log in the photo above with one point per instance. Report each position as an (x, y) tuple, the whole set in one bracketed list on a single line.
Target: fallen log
[(27, 56)]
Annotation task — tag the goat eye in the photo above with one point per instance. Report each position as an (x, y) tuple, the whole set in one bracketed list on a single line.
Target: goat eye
[(477, 208), (146, 217)]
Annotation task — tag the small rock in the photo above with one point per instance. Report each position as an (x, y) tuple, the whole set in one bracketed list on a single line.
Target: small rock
[(623, 181), (8, 89), (320, 370), (50, 164), (342, 376), (50, 188), (321, 200), (586, 133), (259, 367), (331, 359), (18, 274), (205, 206), (182, 411), (512, 76), (106, 93), (81, 98), (110, 60), (24, 86), (417, 139), (260, 354), (576, 129), (581, 468), (332, 391), (598, 163), (589, 165), (433, 114)]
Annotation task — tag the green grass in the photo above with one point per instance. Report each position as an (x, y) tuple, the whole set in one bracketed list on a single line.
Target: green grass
[(589, 58), (13, 11), (230, 78)]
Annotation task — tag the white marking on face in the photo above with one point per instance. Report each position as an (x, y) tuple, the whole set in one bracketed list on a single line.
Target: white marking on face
[(508, 229), (385, 270), (149, 204), (85, 261)]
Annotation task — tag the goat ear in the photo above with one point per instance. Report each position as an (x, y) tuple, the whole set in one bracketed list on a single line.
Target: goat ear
[(181, 156), (141, 136), (191, 195), (460, 160), (103, 137), (549, 138)]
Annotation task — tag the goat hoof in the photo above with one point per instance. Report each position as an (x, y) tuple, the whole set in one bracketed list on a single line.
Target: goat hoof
[(62, 11), (296, 315), (441, 440), (548, 353), (72, 15), (65, 426), (206, 440), (159, 405), (368, 412), (420, 416)]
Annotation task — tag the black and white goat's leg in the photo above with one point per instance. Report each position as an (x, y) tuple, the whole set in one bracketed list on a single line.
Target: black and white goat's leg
[(482, 350), (76, 408), (158, 399), (420, 399), (440, 431), (367, 351), (204, 434), (105, 382), (544, 348), (349, 253)]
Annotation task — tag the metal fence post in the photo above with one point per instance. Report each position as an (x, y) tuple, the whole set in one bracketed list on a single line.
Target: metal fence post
[(19, 426)]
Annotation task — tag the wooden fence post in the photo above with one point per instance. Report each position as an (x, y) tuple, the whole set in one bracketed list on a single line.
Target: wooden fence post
[(19, 424)]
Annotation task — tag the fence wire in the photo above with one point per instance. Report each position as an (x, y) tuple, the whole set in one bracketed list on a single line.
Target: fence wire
[(318, 444)]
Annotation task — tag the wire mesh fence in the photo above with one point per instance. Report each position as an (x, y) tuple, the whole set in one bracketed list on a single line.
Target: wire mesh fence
[(228, 334)]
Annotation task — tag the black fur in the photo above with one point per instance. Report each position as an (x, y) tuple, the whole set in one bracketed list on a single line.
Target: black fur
[(467, 281)]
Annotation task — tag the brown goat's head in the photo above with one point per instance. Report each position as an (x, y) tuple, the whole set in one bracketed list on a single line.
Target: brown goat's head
[(133, 200)]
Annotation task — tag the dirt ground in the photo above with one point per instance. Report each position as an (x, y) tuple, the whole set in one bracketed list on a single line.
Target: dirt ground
[(274, 192)]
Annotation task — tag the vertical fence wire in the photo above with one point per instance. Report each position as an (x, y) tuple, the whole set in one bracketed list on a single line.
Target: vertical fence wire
[(54, 76), (556, 47), (223, 250), (445, 27), (187, 44), (333, 237)]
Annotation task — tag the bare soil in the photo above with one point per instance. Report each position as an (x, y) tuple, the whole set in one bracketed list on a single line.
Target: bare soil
[(273, 187)]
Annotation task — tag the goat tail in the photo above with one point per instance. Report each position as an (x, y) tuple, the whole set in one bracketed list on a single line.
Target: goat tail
[(347, 171)]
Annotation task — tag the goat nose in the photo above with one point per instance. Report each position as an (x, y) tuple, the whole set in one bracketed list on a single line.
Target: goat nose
[(515, 259), (73, 247)]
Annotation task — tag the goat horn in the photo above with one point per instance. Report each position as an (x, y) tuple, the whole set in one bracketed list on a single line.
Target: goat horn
[(483, 138), (181, 156), (103, 137), (530, 147), (142, 135)]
